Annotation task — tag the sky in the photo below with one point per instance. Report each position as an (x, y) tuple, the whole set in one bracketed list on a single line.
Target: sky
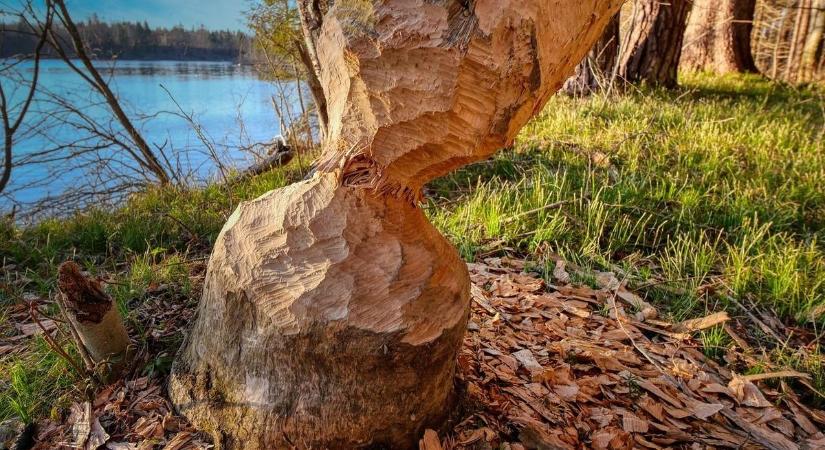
[(213, 14)]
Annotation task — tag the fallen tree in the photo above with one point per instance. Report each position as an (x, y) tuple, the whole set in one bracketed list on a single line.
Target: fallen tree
[(333, 310)]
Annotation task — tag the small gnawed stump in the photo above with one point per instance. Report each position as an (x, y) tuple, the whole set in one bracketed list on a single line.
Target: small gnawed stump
[(94, 315)]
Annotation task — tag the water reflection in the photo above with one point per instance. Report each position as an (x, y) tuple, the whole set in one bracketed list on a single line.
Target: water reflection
[(229, 102)]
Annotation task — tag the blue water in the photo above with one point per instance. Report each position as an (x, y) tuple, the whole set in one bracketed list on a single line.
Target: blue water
[(219, 95)]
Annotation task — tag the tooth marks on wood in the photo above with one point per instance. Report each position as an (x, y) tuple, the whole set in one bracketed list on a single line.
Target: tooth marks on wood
[(84, 296)]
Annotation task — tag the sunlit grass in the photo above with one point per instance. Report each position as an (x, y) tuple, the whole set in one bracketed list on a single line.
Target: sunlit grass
[(692, 196), (717, 183)]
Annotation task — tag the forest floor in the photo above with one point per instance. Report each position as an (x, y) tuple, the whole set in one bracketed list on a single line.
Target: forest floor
[(700, 201)]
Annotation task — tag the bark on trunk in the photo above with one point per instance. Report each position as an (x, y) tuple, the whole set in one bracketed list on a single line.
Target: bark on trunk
[(718, 37), (311, 13), (653, 46), (814, 43), (800, 31), (333, 311), (95, 317), (595, 71)]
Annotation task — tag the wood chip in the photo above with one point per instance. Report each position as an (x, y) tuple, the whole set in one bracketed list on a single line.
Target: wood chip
[(689, 326)]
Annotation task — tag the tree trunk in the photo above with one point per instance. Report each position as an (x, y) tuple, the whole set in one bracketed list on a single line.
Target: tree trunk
[(798, 38), (813, 48), (311, 13), (333, 311), (150, 161), (651, 51), (718, 37), (595, 71)]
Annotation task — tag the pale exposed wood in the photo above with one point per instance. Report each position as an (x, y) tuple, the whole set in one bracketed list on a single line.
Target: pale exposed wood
[(814, 43), (94, 315), (333, 310), (437, 85), (329, 314)]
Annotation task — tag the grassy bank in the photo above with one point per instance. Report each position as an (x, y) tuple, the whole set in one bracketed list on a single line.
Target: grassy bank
[(694, 197)]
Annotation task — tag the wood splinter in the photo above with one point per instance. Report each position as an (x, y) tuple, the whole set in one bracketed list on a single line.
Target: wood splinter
[(95, 317)]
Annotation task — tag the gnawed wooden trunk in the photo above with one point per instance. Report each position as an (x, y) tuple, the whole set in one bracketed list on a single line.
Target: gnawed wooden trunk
[(333, 311), (718, 37)]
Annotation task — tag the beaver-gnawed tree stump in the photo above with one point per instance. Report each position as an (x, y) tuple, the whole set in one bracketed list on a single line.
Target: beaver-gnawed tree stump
[(333, 311)]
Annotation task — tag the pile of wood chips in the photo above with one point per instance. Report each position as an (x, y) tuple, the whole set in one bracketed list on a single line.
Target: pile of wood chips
[(564, 367), (543, 367)]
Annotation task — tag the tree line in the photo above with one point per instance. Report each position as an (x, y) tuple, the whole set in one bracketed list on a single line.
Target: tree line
[(134, 40), (649, 41)]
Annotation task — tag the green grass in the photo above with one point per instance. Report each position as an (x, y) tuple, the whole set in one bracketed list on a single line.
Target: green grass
[(716, 184), (693, 196)]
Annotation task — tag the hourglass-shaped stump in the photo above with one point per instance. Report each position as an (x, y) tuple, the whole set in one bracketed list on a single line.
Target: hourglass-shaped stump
[(333, 311)]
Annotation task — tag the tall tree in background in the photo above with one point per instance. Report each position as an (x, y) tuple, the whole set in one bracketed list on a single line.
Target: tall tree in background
[(333, 311), (718, 37), (595, 71), (142, 153), (653, 46), (283, 32), (813, 49), (798, 38)]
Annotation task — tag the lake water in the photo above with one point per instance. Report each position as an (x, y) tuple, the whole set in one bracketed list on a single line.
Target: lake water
[(219, 95)]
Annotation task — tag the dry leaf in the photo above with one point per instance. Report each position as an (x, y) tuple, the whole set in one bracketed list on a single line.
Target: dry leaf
[(702, 410), (81, 420), (429, 441), (97, 436), (747, 393)]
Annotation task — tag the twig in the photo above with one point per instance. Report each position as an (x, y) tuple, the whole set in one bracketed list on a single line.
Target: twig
[(54, 346), (535, 210), (84, 352), (756, 320)]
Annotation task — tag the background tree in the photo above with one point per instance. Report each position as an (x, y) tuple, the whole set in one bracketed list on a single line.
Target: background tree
[(718, 37), (596, 70), (653, 43), (11, 124), (333, 310), (135, 40), (781, 43), (143, 154), (812, 51), (279, 36)]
